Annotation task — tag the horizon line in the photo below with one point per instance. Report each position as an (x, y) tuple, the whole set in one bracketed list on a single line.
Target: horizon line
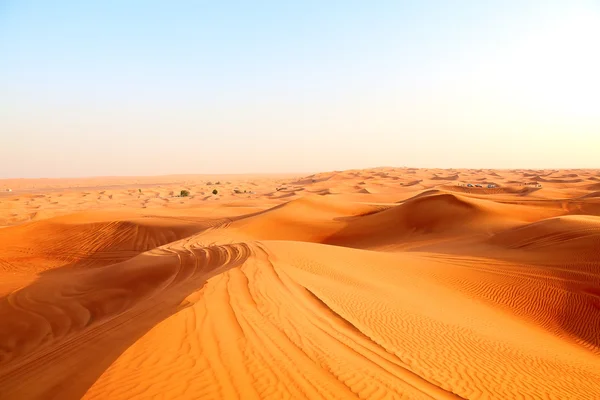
[(289, 173)]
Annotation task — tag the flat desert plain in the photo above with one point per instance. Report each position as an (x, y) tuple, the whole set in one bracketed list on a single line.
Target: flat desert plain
[(371, 284)]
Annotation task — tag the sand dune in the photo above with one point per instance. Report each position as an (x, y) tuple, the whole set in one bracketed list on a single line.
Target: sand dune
[(580, 234), (514, 190), (444, 178), (442, 215), (591, 195), (412, 183), (381, 283)]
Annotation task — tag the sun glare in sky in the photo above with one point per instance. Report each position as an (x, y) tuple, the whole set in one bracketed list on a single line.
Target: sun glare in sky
[(142, 88)]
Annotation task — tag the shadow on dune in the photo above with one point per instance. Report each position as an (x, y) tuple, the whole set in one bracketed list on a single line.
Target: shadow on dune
[(580, 311), (413, 183), (46, 244), (59, 334), (567, 250), (579, 275), (431, 215), (444, 178)]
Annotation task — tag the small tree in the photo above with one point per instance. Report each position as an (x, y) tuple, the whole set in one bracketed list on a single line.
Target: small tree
[(184, 193), (215, 191)]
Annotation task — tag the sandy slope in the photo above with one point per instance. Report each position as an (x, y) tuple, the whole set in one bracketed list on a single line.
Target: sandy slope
[(381, 283)]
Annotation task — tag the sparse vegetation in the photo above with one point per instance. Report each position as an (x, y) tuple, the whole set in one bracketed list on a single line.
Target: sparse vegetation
[(215, 191), (140, 190), (184, 193)]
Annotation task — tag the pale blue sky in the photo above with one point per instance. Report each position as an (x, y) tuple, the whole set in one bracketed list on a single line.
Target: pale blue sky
[(161, 87)]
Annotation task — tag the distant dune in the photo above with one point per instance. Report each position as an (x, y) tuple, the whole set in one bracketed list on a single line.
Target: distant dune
[(370, 284), (445, 178)]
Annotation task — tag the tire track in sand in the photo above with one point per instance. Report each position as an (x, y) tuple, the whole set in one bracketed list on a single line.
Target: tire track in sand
[(68, 324)]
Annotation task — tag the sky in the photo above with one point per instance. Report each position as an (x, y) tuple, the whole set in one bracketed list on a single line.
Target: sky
[(205, 87)]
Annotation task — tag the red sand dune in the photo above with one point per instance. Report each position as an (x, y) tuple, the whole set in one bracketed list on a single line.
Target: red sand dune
[(116, 288)]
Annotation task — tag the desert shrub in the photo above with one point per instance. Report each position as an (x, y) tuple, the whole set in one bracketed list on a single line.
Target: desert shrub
[(140, 190), (184, 193), (215, 191)]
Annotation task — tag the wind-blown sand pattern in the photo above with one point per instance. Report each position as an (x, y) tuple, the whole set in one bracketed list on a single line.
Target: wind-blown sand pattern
[(373, 284)]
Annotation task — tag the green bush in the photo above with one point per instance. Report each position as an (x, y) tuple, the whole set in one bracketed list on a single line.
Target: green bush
[(184, 193), (215, 191)]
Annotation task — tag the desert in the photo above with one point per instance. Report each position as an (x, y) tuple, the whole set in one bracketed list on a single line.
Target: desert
[(373, 284), (247, 200)]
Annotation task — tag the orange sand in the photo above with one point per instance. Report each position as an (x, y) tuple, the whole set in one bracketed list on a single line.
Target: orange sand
[(380, 283)]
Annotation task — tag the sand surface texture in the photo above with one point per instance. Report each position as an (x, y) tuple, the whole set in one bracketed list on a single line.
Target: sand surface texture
[(385, 283)]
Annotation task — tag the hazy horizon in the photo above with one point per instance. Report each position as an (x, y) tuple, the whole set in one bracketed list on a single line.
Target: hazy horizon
[(147, 88), (284, 173)]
